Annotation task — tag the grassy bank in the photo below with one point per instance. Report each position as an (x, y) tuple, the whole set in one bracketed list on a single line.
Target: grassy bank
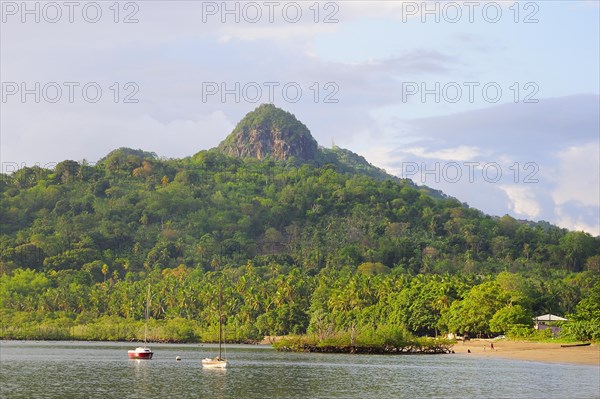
[(380, 341)]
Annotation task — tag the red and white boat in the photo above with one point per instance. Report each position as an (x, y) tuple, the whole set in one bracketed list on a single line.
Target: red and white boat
[(143, 352)]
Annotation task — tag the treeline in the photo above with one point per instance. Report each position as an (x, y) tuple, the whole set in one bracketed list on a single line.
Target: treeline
[(272, 299), (83, 241)]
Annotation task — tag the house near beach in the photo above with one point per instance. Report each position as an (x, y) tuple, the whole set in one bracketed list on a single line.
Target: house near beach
[(548, 322)]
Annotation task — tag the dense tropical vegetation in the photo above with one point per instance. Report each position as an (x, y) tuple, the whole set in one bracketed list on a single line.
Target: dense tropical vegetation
[(299, 247)]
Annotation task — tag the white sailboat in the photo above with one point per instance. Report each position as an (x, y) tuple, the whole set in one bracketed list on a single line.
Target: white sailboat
[(143, 352), (218, 362)]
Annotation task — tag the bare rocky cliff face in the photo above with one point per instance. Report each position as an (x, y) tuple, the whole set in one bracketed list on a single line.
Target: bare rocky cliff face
[(270, 132)]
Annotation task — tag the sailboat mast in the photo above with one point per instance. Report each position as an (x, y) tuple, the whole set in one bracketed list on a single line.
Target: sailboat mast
[(220, 321), (146, 324)]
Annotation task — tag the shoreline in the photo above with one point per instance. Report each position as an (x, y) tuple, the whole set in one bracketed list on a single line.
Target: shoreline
[(530, 351), (543, 352)]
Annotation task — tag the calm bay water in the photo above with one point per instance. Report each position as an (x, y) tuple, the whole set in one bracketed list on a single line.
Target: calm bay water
[(102, 370)]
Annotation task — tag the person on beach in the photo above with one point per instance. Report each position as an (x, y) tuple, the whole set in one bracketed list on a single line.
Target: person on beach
[(492, 346)]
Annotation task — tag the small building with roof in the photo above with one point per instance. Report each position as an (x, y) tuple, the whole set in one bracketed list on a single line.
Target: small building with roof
[(548, 322)]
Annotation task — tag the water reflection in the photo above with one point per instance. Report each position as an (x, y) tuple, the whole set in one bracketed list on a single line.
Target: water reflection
[(99, 370), (215, 382)]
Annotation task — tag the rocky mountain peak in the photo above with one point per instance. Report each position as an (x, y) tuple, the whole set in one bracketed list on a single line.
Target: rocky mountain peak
[(270, 132)]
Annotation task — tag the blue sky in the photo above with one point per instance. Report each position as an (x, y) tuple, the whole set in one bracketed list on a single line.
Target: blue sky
[(374, 59)]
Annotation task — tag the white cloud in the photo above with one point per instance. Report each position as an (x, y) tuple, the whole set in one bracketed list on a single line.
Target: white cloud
[(578, 175), (522, 201), (576, 189), (577, 222)]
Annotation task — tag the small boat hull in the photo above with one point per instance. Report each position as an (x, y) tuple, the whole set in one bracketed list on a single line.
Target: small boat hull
[(214, 363), (140, 353)]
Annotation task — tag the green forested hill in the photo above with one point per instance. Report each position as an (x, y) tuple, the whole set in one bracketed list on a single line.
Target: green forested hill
[(211, 211), (300, 246)]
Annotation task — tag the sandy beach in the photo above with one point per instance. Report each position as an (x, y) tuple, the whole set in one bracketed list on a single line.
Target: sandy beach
[(519, 350), (532, 351)]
